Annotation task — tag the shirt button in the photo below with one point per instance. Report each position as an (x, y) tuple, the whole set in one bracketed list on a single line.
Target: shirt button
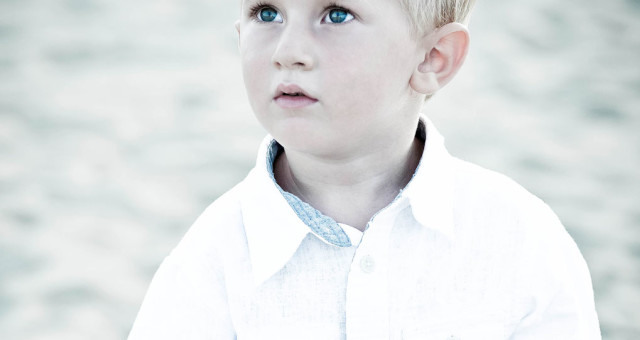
[(453, 337), (367, 264)]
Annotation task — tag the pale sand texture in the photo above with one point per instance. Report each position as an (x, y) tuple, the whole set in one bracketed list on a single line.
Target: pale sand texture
[(120, 121)]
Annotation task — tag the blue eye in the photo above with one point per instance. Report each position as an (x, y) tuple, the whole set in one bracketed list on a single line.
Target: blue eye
[(338, 16), (268, 14)]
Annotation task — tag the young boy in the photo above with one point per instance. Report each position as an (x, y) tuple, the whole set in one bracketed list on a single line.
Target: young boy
[(356, 223)]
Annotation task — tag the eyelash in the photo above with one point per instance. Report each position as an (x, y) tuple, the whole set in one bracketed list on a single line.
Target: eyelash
[(255, 9)]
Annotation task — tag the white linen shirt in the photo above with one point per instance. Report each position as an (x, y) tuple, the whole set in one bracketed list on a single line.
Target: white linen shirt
[(461, 253)]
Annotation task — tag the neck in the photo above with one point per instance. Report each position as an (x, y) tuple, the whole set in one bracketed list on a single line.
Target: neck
[(350, 190)]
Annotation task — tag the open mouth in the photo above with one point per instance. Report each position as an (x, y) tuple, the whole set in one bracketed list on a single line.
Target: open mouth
[(292, 96)]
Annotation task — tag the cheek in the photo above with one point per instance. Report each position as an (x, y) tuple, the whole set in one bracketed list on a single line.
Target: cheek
[(255, 50), (255, 67), (369, 75), (253, 62)]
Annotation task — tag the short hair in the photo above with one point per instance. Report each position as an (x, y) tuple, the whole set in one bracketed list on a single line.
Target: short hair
[(426, 15)]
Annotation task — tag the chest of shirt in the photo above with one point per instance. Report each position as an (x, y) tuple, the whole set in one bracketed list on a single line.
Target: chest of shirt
[(410, 285)]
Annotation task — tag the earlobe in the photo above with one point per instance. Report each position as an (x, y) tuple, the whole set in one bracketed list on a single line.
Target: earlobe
[(424, 82), (446, 49)]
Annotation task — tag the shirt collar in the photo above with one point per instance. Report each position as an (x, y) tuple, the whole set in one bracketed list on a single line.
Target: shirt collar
[(326, 228), (430, 191), (272, 228), (273, 241)]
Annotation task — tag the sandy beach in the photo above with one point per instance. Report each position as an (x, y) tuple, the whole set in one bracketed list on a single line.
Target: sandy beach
[(121, 121)]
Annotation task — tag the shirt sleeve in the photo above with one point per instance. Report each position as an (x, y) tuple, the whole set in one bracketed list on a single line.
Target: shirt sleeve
[(186, 300), (557, 294)]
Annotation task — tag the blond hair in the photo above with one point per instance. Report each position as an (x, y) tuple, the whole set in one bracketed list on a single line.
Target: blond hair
[(430, 14)]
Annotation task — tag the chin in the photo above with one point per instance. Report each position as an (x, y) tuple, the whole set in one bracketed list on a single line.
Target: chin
[(306, 134), (295, 140), (307, 143)]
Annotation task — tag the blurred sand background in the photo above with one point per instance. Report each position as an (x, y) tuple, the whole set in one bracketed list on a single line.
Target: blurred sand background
[(120, 121)]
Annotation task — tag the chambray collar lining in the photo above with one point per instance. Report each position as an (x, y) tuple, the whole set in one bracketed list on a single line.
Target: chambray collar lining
[(321, 225)]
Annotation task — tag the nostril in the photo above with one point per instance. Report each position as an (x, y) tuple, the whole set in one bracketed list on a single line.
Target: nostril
[(292, 57)]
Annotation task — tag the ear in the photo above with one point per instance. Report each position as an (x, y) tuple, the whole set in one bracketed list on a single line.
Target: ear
[(444, 52)]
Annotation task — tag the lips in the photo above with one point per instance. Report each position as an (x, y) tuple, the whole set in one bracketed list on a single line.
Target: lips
[(292, 96)]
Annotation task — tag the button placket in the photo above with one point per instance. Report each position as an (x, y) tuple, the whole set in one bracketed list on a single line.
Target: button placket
[(367, 264), (367, 302)]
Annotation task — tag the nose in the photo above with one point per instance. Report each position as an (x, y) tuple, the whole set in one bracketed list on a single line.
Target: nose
[(294, 49)]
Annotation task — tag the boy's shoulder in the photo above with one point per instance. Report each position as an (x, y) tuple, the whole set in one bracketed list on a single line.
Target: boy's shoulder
[(477, 182), (498, 204), (221, 221), (494, 210)]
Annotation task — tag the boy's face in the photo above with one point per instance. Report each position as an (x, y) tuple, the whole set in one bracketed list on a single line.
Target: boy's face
[(329, 78)]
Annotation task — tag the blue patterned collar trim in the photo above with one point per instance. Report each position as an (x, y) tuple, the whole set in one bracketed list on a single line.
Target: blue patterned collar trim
[(321, 225)]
